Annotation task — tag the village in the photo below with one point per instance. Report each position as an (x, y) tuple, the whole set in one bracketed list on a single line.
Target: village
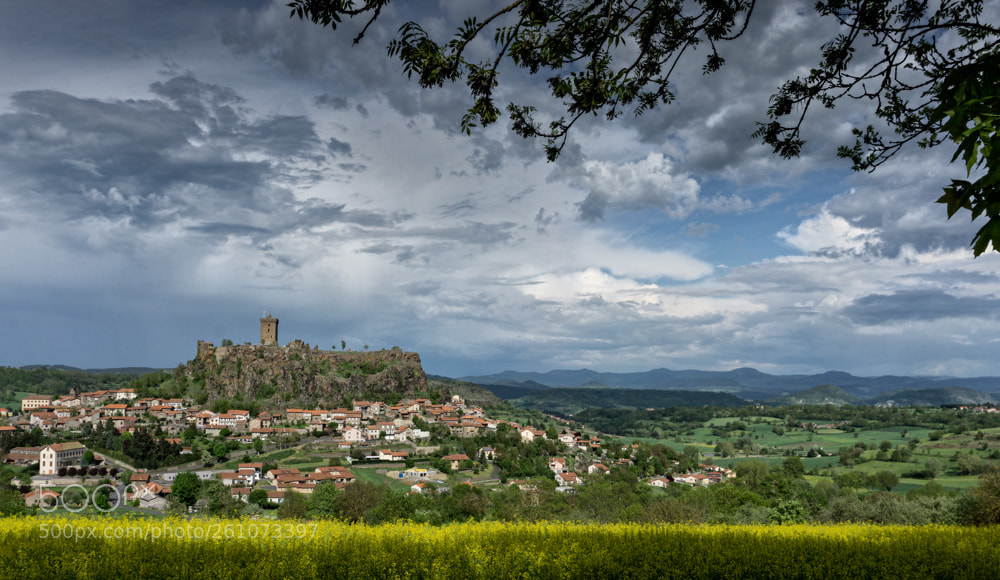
[(437, 444), (368, 432)]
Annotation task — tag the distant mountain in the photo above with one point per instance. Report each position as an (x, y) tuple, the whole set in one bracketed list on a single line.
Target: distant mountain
[(821, 395), (747, 383), (137, 371), (933, 397), (567, 401), (473, 394)]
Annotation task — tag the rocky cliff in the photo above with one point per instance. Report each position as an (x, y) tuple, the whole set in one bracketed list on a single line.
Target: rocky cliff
[(298, 374)]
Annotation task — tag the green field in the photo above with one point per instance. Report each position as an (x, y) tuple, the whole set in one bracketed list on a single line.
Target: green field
[(15, 403)]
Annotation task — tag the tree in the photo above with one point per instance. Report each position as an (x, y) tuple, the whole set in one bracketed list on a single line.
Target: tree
[(793, 467), (186, 488), (294, 506), (219, 451), (936, 78), (885, 480), (11, 501), (221, 501), (259, 497), (324, 500), (354, 502), (982, 504)]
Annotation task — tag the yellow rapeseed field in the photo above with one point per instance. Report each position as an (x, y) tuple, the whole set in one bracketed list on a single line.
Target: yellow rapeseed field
[(76, 547)]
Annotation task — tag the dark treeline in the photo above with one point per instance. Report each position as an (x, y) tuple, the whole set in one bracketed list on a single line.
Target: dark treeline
[(673, 421), (144, 448), (50, 381), (759, 495), (614, 398)]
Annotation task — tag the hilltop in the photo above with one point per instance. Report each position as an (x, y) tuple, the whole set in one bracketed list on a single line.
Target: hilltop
[(299, 374), (746, 383), (821, 395)]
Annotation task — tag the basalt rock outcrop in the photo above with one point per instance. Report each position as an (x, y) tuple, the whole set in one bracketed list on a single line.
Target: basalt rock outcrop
[(296, 373)]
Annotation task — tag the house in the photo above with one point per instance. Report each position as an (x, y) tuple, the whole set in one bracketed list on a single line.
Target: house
[(337, 474), (557, 465), (152, 496), (693, 479), (231, 478), (660, 482), (41, 418), (21, 456), (353, 435), (418, 434), (421, 488), (52, 457), (256, 467), (124, 394), (567, 478), (417, 473), (113, 409), (275, 473), (41, 497), (35, 401), (123, 423), (598, 468), (529, 434), (487, 453), (456, 459), (390, 455)]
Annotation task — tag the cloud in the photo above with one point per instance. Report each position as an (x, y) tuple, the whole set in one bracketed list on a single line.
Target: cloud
[(195, 150), (826, 232), (648, 183), (335, 103), (921, 304), (337, 147)]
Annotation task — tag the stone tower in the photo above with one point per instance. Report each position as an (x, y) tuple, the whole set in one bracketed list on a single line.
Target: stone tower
[(269, 330)]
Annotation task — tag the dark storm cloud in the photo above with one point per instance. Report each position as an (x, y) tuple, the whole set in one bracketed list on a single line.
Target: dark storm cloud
[(316, 52), (183, 154), (338, 147), (335, 103), (958, 277), (224, 229), (404, 253), (908, 305), (421, 288), (592, 208), (465, 207), (543, 221), (379, 248), (314, 213), (488, 156), (899, 203)]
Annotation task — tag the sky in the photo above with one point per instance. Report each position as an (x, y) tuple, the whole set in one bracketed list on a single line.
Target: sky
[(170, 171)]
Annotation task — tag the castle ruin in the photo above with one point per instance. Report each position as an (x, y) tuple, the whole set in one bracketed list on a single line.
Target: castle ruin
[(269, 331)]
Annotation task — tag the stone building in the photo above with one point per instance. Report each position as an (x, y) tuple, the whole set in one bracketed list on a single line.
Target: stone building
[(269, 331), (52, 457)]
